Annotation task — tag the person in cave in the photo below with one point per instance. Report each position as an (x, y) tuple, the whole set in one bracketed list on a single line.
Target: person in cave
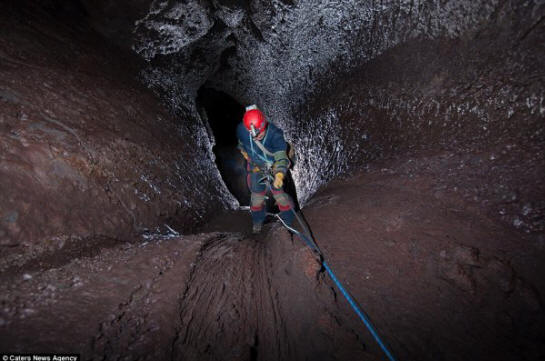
[(265, 149)]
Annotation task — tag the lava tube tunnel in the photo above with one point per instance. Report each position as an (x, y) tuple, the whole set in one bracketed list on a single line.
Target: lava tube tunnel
[(392, 206)]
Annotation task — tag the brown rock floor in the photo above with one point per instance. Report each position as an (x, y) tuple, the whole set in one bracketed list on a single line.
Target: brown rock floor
[(438, 277)]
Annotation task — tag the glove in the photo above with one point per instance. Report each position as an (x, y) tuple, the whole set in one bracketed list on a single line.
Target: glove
[(278, 180), (245, 155)]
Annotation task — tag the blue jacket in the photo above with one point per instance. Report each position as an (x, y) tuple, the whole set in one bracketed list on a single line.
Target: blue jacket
[(273, 141)]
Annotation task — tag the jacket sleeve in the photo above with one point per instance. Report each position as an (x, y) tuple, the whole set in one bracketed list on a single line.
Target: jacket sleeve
[(281, 160), (240, 134)]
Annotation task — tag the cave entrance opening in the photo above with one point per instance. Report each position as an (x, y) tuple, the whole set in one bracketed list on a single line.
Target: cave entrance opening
[(223, 113)]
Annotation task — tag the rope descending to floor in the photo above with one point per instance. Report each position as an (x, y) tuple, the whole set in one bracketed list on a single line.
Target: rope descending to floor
[(308, 239)]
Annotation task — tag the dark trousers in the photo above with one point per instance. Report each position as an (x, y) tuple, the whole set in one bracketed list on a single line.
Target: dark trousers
[(258, 185)]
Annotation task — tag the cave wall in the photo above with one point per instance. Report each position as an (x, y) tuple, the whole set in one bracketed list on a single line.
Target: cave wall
[(348, 82), (281, 54), (468, 109), (86, 150)]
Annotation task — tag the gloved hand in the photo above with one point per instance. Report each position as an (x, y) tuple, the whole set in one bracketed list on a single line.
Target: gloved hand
[(245, 155), (278, 180)]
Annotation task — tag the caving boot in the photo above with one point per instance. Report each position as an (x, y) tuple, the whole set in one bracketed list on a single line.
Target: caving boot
[(256, 228)]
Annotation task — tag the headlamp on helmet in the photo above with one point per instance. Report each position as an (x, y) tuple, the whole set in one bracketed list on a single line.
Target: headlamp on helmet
[(254, 120), (254, 132)]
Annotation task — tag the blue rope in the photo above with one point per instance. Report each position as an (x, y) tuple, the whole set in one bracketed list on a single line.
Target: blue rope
[(359, 312), (264, 156), (310, 242)]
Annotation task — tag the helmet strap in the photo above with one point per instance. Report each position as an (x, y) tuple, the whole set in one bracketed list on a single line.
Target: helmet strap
[(253, 131)]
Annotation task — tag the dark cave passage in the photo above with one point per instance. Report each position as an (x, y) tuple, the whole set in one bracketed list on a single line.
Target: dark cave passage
[(223, 114)]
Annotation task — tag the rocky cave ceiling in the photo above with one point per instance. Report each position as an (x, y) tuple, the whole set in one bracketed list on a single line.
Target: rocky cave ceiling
[(279, 53)]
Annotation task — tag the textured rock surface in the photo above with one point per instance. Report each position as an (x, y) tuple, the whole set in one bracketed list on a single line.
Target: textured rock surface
[(281, 54), (87, 151), (433, 110), (213, 296), (456, 96), (439, 279)]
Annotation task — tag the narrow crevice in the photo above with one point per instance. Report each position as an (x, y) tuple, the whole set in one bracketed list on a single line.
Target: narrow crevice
[(224, 113)]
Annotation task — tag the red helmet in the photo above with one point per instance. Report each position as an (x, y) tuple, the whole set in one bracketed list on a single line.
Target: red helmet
[(254, 121)]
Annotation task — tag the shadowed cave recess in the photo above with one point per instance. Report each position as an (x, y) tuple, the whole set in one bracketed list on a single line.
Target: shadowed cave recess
[(418, 128), (222, 114)]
